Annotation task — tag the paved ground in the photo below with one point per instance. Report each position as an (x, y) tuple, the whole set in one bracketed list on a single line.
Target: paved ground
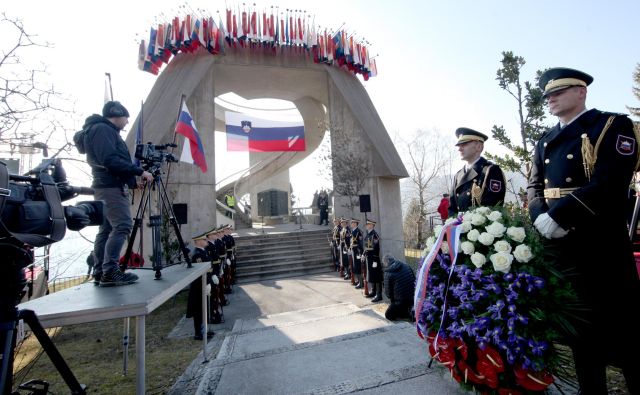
[(311, 335)]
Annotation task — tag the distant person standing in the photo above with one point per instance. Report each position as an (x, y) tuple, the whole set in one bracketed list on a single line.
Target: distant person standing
[(479, 182), (443, 208), (323, 206)]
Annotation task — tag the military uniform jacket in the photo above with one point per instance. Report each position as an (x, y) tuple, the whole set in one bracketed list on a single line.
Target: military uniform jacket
[(372, 253), (194, 299), (592, 209), (335, 234), (487, 176), (345, 239), (356, 248), (229, 243)]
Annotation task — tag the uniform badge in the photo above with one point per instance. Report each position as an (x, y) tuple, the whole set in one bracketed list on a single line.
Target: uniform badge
[(495, 185), (625, 145)]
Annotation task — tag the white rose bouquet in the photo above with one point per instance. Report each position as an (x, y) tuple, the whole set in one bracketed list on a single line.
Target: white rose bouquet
[(499, 295)]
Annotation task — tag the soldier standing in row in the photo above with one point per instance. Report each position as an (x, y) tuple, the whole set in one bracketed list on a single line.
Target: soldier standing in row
[(335, 243), (230, 245), (356, 253), (577, 190), (345, 243), (372, 258), (194, 301), (216, 264), (479, 182)]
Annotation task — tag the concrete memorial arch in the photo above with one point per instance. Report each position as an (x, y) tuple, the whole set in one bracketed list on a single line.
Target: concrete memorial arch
[(324, 95)]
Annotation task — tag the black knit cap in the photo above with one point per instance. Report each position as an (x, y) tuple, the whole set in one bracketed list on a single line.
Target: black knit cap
[(114, 109)]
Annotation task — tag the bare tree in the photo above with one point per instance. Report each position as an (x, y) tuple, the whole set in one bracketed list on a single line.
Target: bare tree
[(428, 158), (27, 101)]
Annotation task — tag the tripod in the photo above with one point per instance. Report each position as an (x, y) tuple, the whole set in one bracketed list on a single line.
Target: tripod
[(155, 221), (12, 284)]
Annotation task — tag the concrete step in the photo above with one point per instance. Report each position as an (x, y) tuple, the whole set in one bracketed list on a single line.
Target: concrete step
[(293, 317), (245, 251), (274, 274), (283, 257), (288, 242), (290, 265), (262, 239)]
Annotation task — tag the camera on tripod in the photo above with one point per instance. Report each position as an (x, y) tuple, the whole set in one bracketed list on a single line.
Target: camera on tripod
[(152, 156), (31, 208)]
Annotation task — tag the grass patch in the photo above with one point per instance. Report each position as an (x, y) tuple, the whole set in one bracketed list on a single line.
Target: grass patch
[(94, 352)]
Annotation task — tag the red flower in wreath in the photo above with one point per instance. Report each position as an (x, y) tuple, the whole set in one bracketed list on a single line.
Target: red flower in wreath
[(532, 381)]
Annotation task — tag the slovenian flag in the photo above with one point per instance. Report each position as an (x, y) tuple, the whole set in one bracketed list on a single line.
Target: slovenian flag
[(194, 151), (248, 133)]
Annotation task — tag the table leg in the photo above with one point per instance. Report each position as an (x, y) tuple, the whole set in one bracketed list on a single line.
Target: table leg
[(125, 346), (205, 318), (140, 357)]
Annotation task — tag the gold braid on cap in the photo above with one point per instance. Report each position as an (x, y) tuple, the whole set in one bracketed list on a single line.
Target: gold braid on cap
[(589, 153), (563, 82)]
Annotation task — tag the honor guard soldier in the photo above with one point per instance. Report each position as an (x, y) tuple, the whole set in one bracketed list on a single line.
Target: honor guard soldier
[(374, 265), (194, 301), (216, 264), (479, 182), (224, 265), (230, 245), (335, 243), (356, 253), (345, 243), (581, 172)]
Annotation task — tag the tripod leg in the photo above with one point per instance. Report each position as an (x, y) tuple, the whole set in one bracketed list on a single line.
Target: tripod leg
[(125, 346), (54, 355), (174, 223), (137, 222)]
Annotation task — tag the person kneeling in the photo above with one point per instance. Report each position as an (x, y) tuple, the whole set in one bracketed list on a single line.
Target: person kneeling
[(399, 286)]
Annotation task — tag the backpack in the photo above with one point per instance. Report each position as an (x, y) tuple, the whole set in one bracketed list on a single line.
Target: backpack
[(78, 140)]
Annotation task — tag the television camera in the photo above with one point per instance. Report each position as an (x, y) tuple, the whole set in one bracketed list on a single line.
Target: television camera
[(151, 156), (32, 215)]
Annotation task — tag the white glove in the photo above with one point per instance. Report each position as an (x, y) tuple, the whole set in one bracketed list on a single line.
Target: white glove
[(214, 279), (208, 291), (548, 227), (228, 262), (375, 264)]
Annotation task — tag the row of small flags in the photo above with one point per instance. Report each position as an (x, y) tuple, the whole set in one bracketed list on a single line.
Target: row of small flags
[(252, 28)]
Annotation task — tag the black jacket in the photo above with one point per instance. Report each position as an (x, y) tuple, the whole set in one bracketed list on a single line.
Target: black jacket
[(399, 283), (108, 155), (485, 175)]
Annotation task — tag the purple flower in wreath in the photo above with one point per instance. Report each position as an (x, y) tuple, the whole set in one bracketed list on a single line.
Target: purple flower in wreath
[(496, 309), (538, 348)]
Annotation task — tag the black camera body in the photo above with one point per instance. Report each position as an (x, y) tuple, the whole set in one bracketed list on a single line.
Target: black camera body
[(153, 155), (32, 210)]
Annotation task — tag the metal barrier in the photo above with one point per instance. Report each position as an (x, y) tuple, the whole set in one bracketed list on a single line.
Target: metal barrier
[(58, 284)]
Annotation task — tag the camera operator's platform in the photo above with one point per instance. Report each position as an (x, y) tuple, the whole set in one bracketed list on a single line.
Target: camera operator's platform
[(88, 303)]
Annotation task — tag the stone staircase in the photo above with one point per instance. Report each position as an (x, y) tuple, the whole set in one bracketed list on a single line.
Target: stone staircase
[(273, 256)]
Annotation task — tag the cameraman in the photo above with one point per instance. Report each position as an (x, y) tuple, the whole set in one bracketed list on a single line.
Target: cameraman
[(113, 175)]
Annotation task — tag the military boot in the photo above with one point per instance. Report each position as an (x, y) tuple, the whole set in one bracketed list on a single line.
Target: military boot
[(378, 297)]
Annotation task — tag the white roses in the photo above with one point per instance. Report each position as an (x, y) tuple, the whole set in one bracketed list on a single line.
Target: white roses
[(523, 253), (496, 229), (468, 247), (478, 259), (501, 261), (516, 234), (486, 238)]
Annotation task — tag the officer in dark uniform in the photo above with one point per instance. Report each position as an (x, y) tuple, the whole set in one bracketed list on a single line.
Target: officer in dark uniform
[(216, 264), (581, 171), (374, 265), (335, 243), (356, 252), (194, 300), (230, 245), (479, 182), (345, 243)]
